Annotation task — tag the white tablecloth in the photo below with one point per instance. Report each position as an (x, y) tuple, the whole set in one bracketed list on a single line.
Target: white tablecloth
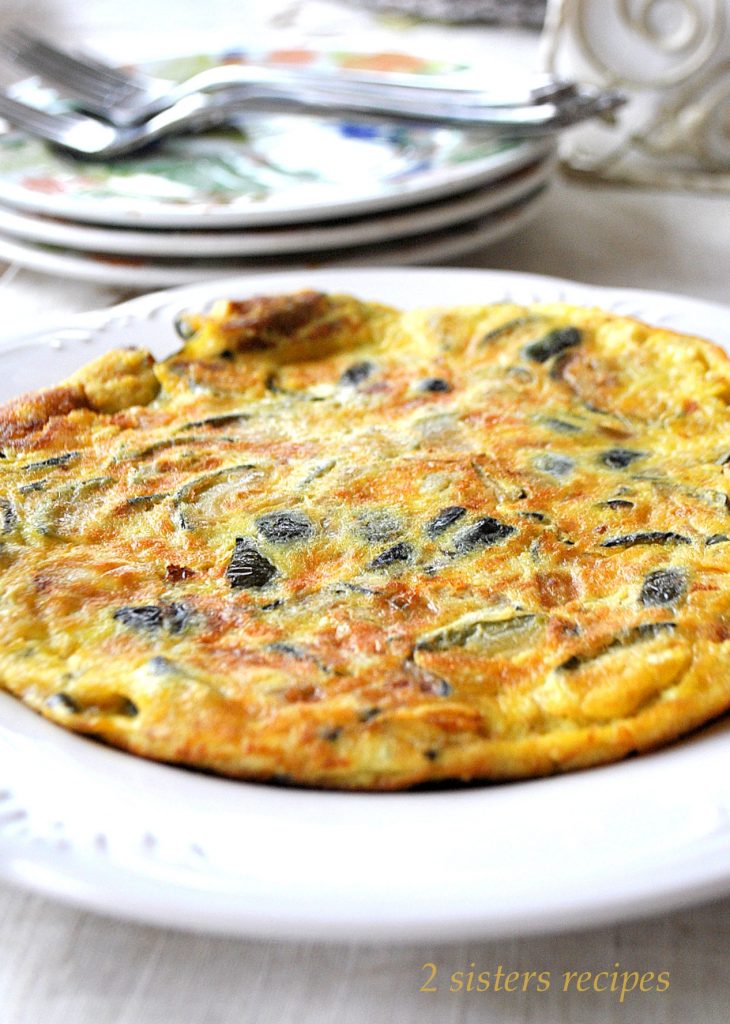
[(62, 966)]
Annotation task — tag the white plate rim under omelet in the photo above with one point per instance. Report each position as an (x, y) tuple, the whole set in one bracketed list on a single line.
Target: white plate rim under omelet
[(104, 830)]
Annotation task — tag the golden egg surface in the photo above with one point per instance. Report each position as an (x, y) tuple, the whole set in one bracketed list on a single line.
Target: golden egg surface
[(340, 545)]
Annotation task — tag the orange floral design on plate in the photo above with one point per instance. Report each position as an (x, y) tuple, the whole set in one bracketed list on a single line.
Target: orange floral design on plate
[(49, 186), (291, 57), (385, 61)]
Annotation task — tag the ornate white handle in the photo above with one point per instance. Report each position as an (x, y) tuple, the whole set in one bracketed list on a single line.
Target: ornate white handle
[(672, 57)]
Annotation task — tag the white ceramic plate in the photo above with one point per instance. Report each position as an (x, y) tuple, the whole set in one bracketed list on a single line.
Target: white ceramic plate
[(148, 272), (344, 233), (272, 169), (110, 832)]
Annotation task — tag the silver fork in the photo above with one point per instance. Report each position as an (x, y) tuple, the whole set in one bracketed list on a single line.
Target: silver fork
[(126, 97), (91, 138)]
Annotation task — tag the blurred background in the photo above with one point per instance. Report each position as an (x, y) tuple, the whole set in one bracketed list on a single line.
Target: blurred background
[(590, 226)]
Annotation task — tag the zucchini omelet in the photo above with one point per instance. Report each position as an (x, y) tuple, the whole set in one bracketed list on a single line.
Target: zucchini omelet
[(334, 544)]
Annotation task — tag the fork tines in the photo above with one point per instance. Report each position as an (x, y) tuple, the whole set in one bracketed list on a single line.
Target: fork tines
[(91, 79)]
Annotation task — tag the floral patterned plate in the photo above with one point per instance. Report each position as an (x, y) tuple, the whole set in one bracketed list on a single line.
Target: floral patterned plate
[(346, 232), (269, 169)]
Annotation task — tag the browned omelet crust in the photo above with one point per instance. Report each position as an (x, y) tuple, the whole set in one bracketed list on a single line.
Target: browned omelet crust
[(340, 545)]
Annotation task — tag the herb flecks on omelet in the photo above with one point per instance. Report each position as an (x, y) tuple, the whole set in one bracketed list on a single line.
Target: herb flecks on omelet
[(337, 544)]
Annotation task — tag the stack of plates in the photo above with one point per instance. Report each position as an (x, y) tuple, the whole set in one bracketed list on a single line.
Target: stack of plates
[(273, 193)]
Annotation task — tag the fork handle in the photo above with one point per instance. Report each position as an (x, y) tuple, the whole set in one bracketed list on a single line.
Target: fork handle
[(376, 87), (202, 110)]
